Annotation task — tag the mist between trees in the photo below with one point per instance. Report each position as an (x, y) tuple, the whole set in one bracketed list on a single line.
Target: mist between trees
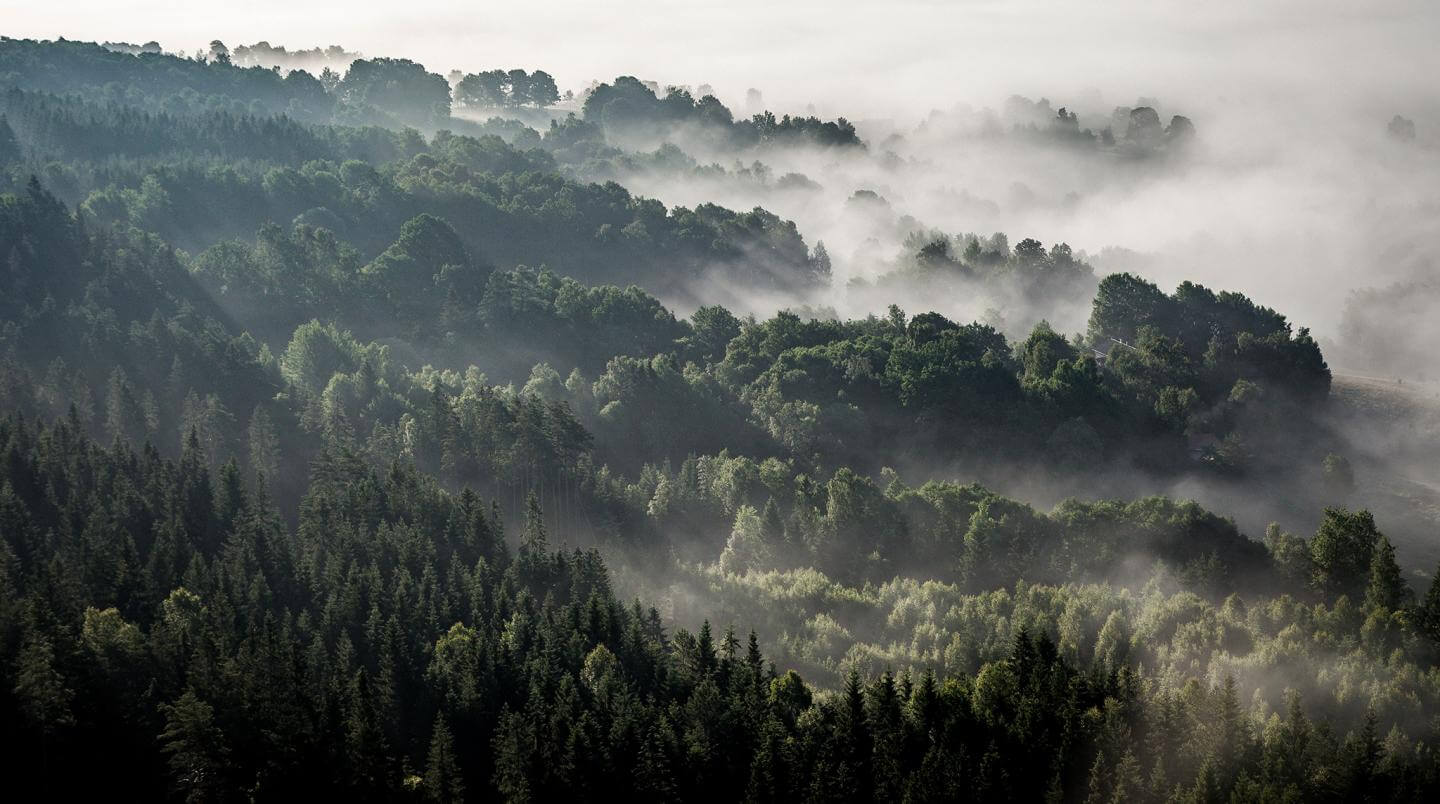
[(351, 442)]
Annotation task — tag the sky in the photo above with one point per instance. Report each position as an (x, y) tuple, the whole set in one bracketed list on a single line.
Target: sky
[(875, 58)]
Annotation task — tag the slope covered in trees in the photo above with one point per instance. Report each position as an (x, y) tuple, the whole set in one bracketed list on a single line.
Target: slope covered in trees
[(168, 634), (339, 456)]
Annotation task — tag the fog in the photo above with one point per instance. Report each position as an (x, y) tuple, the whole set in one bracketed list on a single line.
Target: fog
[(1293, 191), (868, 58), (329, 308), (1292, 205)]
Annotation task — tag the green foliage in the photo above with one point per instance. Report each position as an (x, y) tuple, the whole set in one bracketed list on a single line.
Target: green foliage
[(338, 610), (501, 88), (9, 146), (443, 780), (196, 749), (628, 105), (1342, 550), (398, 86), (1042, 352), (1386, 590)]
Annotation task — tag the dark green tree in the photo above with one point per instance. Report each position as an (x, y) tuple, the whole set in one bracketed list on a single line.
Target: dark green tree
[(1341, 551), (1386, 590), (443, 779), (196, 747)]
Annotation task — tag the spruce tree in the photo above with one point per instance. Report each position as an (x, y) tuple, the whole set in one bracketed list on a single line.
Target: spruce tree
[(198, 754), (9, 145), (1428, 616), (1387, 590), (443, 780), (533, 539)]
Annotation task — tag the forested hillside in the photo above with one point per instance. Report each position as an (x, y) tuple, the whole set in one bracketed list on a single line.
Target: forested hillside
[(349, 445)]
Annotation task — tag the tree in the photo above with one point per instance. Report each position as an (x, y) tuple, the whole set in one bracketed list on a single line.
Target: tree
[(1364, 752), (1401, 128), (712, 329), (1043, 351), (532, 539), (9, 145), (1144, 126), (1180, 131), (820, 262), (409, 272), (264, 444), (486, 90), (1387, 590), (443, 780), (519, 82), (1290, 553), (208, 419), (746, 548), (196, 747), (39, 688), (1428, 615), (543, 92), (654, 779), (1341, 551), (1030, 252), (1124, 303), (398, 86)]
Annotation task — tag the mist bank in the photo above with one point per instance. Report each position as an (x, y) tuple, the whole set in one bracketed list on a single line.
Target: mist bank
[(303, 378), (1269, 199), (373, 212)]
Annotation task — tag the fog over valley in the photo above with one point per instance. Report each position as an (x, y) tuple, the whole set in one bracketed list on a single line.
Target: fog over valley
[(915, 401)]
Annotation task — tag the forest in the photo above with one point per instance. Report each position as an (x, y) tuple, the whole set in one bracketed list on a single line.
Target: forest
[(360, 433)]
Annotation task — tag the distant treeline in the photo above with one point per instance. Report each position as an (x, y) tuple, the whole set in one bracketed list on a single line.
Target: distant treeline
[(297, 401)]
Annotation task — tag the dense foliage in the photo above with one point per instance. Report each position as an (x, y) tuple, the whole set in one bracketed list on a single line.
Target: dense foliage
[(628, 106), (327, 448)]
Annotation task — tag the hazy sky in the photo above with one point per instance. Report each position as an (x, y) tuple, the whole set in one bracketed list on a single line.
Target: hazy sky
[(869, 57)]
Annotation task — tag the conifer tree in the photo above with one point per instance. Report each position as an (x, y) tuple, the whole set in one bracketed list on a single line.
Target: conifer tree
[(533, 539), (1428, 615), (197, 749), (1386, 590), (443, 780)]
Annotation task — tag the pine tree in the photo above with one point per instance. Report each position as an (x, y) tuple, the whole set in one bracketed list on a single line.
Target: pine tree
[(533, 539), (855, 743), (1099, 786), (1128, 784), (653, 777), (767, 766), (196, 747), (39, 688), (1231, 732), (698, 652), (443, 780), (1364, 752), (1428, 615), (232, 503), (263, 443), (1387, 590), (9, 145), (754, 661), (366, 759)]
